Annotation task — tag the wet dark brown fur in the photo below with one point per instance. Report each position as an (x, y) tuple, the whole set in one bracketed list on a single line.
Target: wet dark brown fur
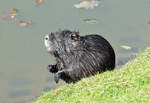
[(79, 56)]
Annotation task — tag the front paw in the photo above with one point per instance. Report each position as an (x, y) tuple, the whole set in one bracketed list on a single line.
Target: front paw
[(50, 68)]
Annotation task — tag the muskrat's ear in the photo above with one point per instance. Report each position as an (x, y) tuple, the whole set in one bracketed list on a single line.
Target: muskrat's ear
[(51, 36)]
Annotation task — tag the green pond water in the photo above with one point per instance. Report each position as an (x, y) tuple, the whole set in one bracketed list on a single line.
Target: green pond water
[(24, 58)]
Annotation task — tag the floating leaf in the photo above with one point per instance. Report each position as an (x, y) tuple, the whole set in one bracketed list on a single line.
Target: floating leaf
[(24, 23), (38, 2), (11, 14), (90, 21), (126, 47), (87, 4)]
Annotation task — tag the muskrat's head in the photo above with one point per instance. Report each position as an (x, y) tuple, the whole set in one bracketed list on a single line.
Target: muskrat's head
[(65, 41)]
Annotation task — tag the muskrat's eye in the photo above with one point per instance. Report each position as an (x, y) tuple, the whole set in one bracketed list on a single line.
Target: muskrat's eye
[(46, 37), (74, 36)]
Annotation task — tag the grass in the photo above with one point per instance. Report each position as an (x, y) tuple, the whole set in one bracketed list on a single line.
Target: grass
[(130, 84)]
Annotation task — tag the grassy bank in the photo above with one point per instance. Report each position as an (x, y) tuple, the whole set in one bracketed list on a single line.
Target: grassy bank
[(131, 84)]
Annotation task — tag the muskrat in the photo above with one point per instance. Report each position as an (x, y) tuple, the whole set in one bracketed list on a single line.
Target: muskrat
[(78, 56)]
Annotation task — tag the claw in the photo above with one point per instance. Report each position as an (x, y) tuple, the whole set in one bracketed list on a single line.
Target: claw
[(57, 76), (56, 79)]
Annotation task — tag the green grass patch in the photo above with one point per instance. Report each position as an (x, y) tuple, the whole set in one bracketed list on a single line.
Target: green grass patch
[(130, 84)]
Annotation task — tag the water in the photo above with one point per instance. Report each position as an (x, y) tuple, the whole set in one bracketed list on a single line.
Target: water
[(23, 57)]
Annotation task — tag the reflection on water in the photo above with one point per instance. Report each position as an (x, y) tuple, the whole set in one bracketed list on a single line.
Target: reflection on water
[(24, 59), (18, 93), (123, 60)]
